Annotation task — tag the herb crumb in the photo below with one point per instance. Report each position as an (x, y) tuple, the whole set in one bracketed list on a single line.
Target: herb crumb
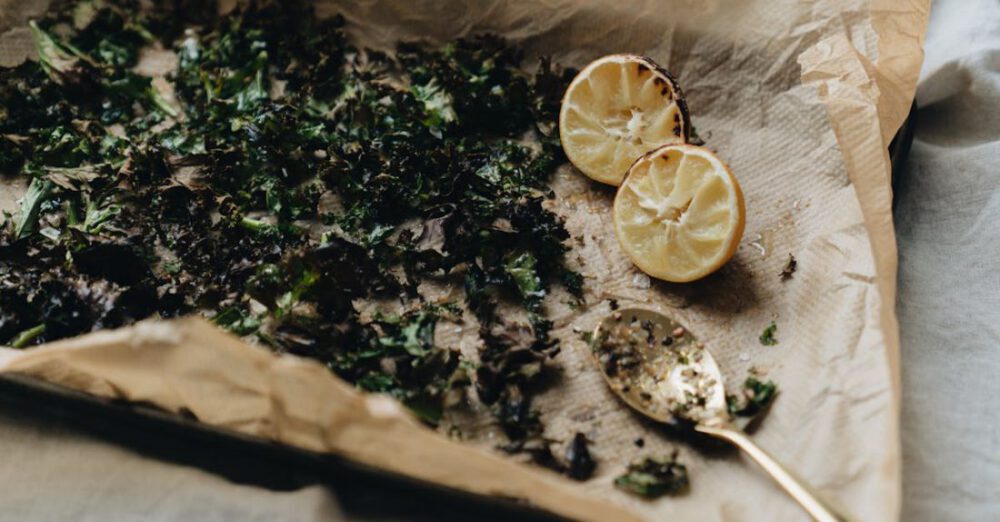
[(653, 477), (767, 337), (579, 463), (789, 268), (755, 396)]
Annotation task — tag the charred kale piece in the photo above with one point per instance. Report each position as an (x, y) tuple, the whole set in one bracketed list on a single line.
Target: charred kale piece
[(755, 397), (654, 476), (275, 177)]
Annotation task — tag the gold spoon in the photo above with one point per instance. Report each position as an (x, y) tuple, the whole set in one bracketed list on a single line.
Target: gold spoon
[(661, 370)]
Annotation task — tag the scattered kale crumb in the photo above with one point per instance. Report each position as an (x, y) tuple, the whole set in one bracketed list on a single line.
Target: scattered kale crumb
[(654, 476), (789, 268), (579, 463), (767, 337), (755, 396)]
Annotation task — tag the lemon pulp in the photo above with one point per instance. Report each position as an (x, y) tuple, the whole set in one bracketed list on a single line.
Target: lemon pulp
[(679, 213), (615, 110)]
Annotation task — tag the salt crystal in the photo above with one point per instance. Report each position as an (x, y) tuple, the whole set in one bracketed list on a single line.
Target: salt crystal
[(758, 243), (641, 281)]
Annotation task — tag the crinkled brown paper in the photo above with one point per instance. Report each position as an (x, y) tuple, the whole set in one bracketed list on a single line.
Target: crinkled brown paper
[(801, 98)]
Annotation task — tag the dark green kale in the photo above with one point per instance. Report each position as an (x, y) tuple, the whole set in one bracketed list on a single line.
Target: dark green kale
[(276, 177), (653, 477), (31, 205), (753, 398), (767, 337)]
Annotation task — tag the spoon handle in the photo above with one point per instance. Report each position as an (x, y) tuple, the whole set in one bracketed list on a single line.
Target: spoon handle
[(819, 508)]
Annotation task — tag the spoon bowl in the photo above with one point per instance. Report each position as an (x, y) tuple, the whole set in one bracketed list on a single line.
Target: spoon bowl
[(661, 370)]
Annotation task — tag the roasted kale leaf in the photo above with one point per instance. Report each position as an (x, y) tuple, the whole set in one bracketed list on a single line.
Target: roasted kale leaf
[(755, 396), (275, 177), (654, 476)]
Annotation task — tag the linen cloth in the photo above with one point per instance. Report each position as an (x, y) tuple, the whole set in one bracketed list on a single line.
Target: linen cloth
[(51, 472), (947, 209)]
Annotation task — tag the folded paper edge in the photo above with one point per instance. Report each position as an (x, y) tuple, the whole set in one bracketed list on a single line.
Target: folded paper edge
[(879, 95), (360, 427)]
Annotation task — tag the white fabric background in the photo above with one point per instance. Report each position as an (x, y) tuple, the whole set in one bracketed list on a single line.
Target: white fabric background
[(949, 272), (949, 311)]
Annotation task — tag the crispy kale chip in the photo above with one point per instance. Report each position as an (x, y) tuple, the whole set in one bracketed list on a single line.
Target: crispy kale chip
[(653, 477), (767, 337), (579, 464), (755, 396)]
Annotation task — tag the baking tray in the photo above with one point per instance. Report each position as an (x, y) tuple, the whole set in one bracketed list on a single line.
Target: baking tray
[(365, 493)]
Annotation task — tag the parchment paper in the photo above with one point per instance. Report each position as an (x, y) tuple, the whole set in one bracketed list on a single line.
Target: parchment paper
[(801, 100)]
